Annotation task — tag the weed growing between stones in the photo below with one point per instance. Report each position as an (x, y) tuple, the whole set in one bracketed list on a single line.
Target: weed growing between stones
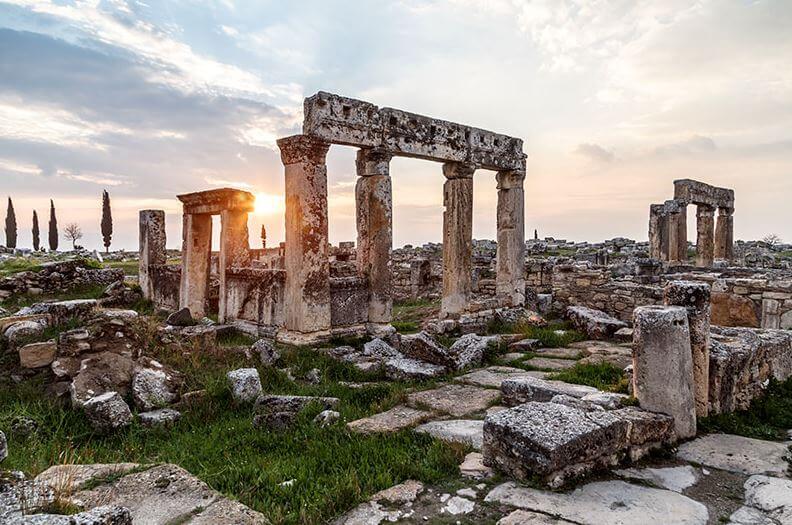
[(768, 417), (604, 376)]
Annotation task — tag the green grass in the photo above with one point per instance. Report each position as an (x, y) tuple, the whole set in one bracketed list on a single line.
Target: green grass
[(603, 376), (334, 470), (548, 336), (129, 267), (408, 315), (18, 264), (235, 338), (80, 292), (768, 417)]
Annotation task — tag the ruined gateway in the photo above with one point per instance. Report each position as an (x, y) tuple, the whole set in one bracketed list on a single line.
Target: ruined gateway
[(300, 299)]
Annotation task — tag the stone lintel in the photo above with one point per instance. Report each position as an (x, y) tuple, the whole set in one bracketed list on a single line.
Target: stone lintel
[(298, 148), (694, 192), (351, 122), (213, 202)]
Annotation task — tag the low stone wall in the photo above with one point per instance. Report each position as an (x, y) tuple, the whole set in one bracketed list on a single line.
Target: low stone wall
[(57, 277), (348, 301), (742, 360), (256, 295)]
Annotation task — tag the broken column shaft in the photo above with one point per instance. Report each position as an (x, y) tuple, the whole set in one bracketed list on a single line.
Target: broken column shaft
[(510, 259), (663, 365), (705, 228), (457, 237), (307, 289), (695, 298), (196, 262), (234, 252), (724, 234), (152, 247), (374, 212)]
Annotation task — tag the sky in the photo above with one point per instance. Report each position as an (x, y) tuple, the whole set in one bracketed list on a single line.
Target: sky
[(614, 100)]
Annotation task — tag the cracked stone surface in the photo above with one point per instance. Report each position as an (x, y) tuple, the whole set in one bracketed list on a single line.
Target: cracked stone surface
[(494, 376), (467, 432), (393, 420), (671, 478), (456, 400), (736, 454), (550, 363), (605, 503)]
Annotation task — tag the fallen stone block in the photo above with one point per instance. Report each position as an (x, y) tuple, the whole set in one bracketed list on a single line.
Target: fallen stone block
[(266, 350), (736, 454), (494, 376), (245, 384), (469, 350), (463, 431), (107, 412), (525, 389), (155, 387), (163, 417), (38, 355), (293, 404), (181, 317), (456, 400), (596, 324), (407, 369), (62, 311), (393, 420), (380, 349), (100, 373), (422, 347)]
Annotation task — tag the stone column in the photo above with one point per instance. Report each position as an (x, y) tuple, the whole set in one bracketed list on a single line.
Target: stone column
[(196, 262), (663, 365), (307, 289), (656, 229), (705, 229), (457, 237), (676, 230), (510, 261), (724, 234), (234, 252), (374, 212), (695, 297), (152, 247)]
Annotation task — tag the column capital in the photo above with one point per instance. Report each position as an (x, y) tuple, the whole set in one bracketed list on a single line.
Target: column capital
[(373, 161), (725, 212), (705, 210), (302, 147), (458, 170), (509, 180)]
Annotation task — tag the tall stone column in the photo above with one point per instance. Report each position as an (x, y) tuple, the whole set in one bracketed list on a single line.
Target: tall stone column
[(682, 235), (152, 247), (676, 231), (234, 252), (656, 229), (724, 234), (374, 212), (510, 261), (663, 365), (307, 289), (457, 237), (705, 228), (695, 297), (196, 262)]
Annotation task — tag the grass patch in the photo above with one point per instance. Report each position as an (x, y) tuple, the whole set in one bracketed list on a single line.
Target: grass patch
[(408, 315), (130, 268), (334, 470), (603, 376), (235, 338), (18, 264), (80, 292), (768, 417), (557, 334)]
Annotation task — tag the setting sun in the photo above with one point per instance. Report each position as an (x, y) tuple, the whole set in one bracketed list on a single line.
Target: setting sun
[(268, 204)]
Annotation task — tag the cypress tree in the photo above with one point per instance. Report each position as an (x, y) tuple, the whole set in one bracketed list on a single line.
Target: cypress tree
[(36, 232), (53, 228), (11, 226), (107, 221)]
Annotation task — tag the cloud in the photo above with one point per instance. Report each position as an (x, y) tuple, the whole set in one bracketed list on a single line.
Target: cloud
[(691, 146), (595, 152)]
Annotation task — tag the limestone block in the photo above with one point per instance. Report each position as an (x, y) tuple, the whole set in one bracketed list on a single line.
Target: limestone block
[(37, 355), (107, 412)]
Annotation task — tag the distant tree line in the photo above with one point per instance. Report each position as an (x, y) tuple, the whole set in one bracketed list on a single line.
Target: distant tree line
[(72, 231)]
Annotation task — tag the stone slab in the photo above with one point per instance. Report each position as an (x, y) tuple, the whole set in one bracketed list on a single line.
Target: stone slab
[(671, 478), (549, 363), (456, 400), (736, 454), (525, 389), (605, 503), (563, 353), (494, 376), (464, 431), (393, 420)]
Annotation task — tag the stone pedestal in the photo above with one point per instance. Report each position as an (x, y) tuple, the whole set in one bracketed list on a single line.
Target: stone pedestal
[(457, 237), (196, 261), (234, 252), (374, 213), (724, 234), (695, 297), (705, 228), (307, 288), (152, 247), (510, 261), (663, 365)]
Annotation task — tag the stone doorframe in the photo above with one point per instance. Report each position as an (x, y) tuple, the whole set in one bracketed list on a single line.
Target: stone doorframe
[(380, 134), (233, 207)]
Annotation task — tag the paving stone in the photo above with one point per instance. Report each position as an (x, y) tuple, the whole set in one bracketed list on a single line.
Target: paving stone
[(563, 353), (404, 368), (671, 478), (606, 503), (736, 454), (512, 356), (465, 431), (549, 363), (458, 505), (393, 420), (522, 390), (524, 345), (402, 493), (494, 376), (594, 323), (526, 517), (473, 467), (766, 497), (456, 400)]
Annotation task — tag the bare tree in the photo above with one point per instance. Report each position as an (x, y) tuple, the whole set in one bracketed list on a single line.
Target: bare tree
[(772, 239), (73, 233)]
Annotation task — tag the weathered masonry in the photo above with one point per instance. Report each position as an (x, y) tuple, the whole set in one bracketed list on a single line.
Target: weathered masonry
[(301, 298), (668, 224)]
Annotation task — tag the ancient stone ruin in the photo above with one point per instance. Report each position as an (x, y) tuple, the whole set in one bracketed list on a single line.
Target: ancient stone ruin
[(299, 298), (668, 224)]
